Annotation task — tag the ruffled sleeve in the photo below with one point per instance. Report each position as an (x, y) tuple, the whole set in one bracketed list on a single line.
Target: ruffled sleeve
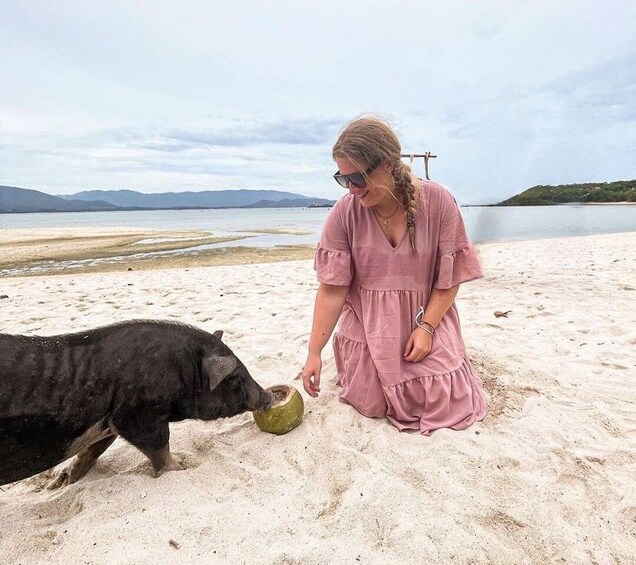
[(332, 260), (457, 260)]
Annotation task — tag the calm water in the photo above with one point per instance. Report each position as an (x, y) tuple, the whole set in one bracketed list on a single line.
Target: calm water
[(483, 224)]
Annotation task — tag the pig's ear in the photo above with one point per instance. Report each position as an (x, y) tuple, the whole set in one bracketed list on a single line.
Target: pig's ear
[(218, 333), (217, 367)]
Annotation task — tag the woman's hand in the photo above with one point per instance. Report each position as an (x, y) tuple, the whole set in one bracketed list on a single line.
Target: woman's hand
[(418, 346), (311, 374)]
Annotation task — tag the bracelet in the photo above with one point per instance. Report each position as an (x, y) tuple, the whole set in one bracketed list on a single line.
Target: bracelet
[(428, 328)]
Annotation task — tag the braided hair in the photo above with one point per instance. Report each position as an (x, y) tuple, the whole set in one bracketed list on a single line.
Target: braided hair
[(368, 139)]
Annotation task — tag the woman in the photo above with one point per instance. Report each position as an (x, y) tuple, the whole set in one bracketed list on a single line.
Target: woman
[(390, 260)]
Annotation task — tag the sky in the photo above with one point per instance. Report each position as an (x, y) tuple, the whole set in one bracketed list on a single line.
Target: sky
[(209, 95)]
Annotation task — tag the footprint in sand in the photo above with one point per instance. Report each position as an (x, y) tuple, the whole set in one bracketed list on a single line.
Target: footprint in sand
[(512, 532), (337, 490), (503, 398), (502, 522), (61, 506)]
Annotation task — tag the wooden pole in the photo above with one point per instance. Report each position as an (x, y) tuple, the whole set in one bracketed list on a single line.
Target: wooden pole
[(426, 156)]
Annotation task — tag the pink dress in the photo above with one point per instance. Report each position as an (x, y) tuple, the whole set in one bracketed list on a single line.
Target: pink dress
[(387, 285)]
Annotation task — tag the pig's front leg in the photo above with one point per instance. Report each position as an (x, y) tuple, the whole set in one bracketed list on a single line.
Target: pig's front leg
[(152, 439), (162, 460)]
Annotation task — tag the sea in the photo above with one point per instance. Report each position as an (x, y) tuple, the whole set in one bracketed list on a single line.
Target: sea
[(483, 224)]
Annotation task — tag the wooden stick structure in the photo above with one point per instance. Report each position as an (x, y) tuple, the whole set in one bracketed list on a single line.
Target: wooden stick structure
[(426, 156)]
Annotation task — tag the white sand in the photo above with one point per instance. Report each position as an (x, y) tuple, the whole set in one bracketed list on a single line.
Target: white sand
[(549, 476)]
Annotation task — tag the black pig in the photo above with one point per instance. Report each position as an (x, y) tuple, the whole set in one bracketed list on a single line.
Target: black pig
[(73, 394)]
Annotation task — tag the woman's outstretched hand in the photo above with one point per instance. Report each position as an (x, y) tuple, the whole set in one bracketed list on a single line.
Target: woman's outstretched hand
[(311, 375), (418, 346)]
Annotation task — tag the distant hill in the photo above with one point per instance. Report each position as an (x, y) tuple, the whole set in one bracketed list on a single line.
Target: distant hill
[(618, 191), (17, 200), (203, 199), (21, 200)]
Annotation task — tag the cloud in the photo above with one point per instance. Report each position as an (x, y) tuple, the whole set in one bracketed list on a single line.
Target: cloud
[(294, 131), (486, 26), (603, 92), (261, 154), (602, 95)]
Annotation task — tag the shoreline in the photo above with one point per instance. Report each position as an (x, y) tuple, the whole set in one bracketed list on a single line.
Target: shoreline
[(223, 256), (45, 251), (69, 251)]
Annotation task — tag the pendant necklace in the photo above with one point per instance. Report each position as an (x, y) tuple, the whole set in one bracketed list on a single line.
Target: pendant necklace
[(385, 219)]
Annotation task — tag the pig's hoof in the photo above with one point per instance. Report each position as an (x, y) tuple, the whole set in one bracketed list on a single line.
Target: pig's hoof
[(62, 479), (171, 465)]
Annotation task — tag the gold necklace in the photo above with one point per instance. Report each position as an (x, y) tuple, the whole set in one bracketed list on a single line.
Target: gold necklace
[(385, 219)]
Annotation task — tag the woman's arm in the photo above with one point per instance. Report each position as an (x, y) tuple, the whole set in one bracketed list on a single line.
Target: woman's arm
[(329, 302), (420, 342), (438, 304)]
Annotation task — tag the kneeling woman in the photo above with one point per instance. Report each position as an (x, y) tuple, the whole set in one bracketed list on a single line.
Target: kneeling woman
[(391, 257)]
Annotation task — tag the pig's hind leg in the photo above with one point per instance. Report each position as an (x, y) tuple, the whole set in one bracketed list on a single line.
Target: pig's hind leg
[(82, 463)]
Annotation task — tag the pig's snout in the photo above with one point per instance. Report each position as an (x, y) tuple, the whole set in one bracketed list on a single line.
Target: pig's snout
[(267, 399), (263, 401)]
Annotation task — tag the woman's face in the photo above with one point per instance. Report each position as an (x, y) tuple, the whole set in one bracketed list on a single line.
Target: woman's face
[(378, 183)]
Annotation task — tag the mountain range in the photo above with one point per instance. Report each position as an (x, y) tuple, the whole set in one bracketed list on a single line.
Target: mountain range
[(21, 200)]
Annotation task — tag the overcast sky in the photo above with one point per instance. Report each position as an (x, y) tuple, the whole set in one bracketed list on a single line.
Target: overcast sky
[(207, 95)]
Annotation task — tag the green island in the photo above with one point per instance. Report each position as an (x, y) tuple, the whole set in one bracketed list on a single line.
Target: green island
[(591, 192)]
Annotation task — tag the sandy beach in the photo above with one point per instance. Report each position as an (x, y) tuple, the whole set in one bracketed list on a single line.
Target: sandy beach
[(549, 476)]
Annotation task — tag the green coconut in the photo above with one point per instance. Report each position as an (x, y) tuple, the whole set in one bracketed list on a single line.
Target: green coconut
[(285, 413)]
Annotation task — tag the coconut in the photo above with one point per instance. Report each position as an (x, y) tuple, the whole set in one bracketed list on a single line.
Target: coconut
[(285, 413)]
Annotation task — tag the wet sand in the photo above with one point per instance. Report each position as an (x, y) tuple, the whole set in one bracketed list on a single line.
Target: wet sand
[(74, 250)]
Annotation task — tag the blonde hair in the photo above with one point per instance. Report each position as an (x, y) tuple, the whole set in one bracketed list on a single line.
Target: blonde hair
[(369, 139)]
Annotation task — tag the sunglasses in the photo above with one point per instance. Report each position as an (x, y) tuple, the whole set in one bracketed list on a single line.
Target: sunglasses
[(356, 179)]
